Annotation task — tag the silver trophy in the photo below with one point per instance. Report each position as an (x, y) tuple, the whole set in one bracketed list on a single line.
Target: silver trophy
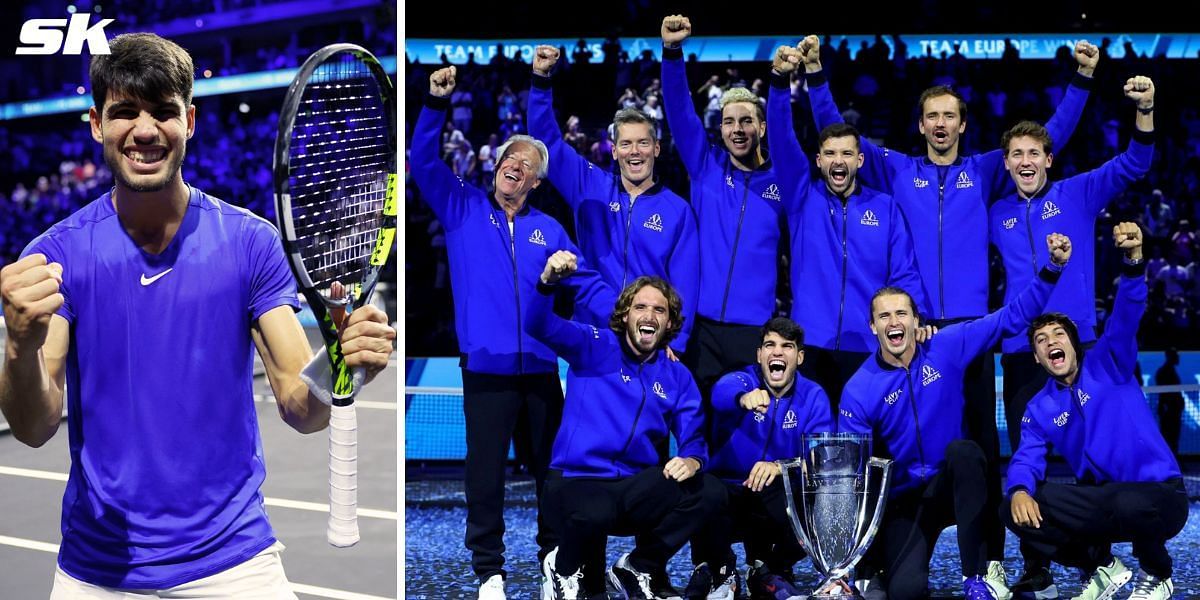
[(836, 493)]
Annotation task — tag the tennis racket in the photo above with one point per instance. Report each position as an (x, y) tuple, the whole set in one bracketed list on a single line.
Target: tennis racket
[(335, 201)]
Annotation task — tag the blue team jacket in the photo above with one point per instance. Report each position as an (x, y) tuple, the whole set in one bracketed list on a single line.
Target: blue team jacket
[(1101, 424), (616, 408), (491, 271), (951, 201), (1070, 207), (742, 437), (741, 215), (652, 235), (918, 411), (841, 252)]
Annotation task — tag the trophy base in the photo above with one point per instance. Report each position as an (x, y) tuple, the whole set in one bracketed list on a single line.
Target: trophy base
[(836, 588)]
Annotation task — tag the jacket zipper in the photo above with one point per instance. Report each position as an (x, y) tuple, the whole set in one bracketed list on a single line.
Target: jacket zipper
[(912, 401), (625, 251), (512, 240), (837, 339), (736, 238), (636, 417), (1029, 229), (941, 258)]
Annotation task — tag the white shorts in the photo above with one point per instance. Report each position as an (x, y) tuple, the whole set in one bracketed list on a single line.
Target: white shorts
[(260, 578)]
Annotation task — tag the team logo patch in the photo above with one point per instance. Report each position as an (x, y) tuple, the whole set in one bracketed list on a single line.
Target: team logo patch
[(963, 181), (1049, 210), (1061, 420), (595, 333), (920, 183), (771, 193), (893, 397), (659, 391), (614, 206), (789, 420), (729, 180), (654, 223), (1010, 222), (759, 417), (625, 378), (929, 375), (492, 218), (846, 413), (1083, 397), (1026, 419), (537, 238), (868, 218)]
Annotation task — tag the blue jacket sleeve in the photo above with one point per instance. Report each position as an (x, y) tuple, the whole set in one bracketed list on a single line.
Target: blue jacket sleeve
[(683, 270), (902, 261), (879, 164), (729, 390), (1028, 465), (969, 338), (1119, 341), (440, 187), (1066, 116), (791, 165), (687, 422), (1108, 180), (686, 127), (575, 342), (853, 415), (570, 173)]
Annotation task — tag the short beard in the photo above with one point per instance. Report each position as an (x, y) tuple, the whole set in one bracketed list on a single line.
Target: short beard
[(114, 162)]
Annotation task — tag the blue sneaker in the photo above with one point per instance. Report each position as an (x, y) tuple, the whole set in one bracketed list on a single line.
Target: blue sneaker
[(975, 588), (765, 585)]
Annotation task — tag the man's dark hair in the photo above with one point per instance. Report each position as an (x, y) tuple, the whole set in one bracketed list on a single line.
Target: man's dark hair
[(142, 66), (1057, 318), (785, 328), (1031, 129), (943, 90), (674, 306), (892, 290), (838, 130)]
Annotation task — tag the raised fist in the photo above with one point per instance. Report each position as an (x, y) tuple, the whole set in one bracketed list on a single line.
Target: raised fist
[(1059, 246), (1087, 55), (1140, 89), (29, 291), (786, 60), (544, 59), (810, 50), (441, 83), (675, 29), (560, 264), (1128, 237)]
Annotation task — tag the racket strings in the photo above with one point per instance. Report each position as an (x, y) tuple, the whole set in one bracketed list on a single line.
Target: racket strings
[(338, 171)]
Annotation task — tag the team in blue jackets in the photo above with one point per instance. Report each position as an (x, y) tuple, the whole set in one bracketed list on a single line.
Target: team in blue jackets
[(760, 414), (945, 196), (624, 395), (909, 397), (627, 223), (739, 208), (497, 247), (846, 240), (1070, 206), (1093, 412)]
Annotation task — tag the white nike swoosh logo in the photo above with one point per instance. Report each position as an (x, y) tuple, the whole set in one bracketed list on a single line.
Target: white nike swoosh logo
[(150, 280)]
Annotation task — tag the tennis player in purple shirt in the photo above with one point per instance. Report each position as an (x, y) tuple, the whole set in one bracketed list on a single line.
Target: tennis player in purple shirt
[(146, 304)]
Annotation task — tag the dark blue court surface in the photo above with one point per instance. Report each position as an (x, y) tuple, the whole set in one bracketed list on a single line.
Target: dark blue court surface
[(438, 566)]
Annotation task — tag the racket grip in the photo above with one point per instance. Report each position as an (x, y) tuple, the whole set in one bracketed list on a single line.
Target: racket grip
[(343, 475)]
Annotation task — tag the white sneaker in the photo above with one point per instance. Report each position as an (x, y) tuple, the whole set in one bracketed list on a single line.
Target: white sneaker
[(1106, 581), (1149, 587), (997, 579), (493, 588), (557, 587)]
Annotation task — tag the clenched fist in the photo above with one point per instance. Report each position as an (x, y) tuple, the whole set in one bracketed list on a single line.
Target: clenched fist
[(675, 29), (30, 292)]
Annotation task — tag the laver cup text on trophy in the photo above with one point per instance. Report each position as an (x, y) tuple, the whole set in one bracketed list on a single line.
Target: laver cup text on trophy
[(836, 493)]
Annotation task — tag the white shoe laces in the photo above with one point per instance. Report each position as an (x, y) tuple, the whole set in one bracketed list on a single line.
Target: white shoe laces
[(1145, 585)]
